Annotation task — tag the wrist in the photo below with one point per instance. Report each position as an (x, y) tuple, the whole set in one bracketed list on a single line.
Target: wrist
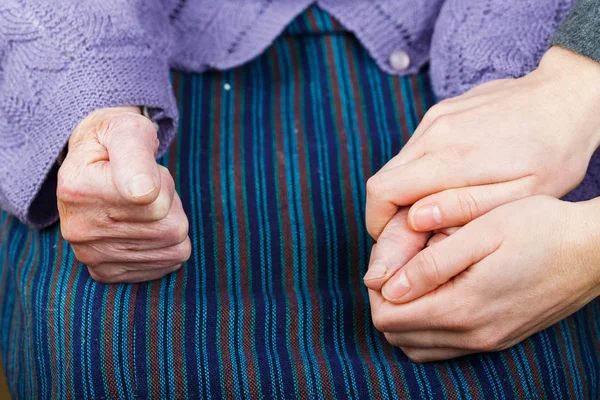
[(585, 239), (575, 80)]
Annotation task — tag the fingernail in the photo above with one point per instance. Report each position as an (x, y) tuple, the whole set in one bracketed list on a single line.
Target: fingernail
[(395, 288), (427, 217), (376, 270), (140, 185)]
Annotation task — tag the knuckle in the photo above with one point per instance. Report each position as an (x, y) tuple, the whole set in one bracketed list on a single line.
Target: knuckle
[(485, 341), (468, 204), (185, 251), (85, 255), (442, 123), (160, 208), (66, 189), (139, 124), (380, 321), (376, 187), (391, 239), (182, 230), (413, 355), (434, 113), (100, 276), (71, 233), (177, 231), (428, 267), (107, 275), (391, 339)]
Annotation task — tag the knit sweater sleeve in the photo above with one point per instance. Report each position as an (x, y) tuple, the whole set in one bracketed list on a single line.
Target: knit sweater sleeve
[(581, 30), (478, 41), (60, 60)]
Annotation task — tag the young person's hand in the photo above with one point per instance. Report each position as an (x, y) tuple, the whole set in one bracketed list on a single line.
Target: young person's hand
[(118, 207), (494, 282), (396, 246), (500, 142)]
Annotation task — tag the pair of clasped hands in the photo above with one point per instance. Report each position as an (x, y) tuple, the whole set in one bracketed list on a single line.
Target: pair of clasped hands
[(474, 252)]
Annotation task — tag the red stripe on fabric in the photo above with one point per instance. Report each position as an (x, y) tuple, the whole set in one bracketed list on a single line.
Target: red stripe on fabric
[(30, 352), (414, 84), (68, 327), (153, 344), (130, 337), (311, 259), (111, 377), (572, 324), (228, 375), (245, 263), (513, 370), (529, 350), (311, 18), (53, 316), (362, 137), (286, 224), (347, 174), (18, 318), (560, 340), (406, 133)]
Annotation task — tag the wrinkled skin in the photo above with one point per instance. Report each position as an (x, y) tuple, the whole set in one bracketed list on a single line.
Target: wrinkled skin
[(118, 207)]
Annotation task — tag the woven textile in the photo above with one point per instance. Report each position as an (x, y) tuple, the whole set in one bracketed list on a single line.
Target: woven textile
[(271, 161)]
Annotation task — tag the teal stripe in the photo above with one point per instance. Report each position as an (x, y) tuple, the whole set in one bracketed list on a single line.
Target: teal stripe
[(125, 323), (510, 379), (169, 320), (286, 107), (320, 131), (116, 347), (357, 191), (572, 361), (307, 155), (269, 145), (265, 252), (374, 343)]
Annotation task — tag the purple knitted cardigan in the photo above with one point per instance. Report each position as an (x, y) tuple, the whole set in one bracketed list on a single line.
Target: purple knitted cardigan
[(62, 59)]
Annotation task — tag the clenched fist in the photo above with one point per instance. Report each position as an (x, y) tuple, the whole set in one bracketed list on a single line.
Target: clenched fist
[(118, 208)]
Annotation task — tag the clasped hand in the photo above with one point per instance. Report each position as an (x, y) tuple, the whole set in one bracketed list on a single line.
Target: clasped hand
[(474, 252)]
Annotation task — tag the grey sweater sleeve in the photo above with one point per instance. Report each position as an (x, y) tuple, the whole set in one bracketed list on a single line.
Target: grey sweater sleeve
[(581, 30)]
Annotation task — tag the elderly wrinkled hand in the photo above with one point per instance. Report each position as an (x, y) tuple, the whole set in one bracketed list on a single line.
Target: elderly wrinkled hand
[(500, 142), (118, 207), (494, 282)]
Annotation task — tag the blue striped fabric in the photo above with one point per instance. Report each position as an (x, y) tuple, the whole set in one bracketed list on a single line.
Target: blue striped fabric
[(270, 161)]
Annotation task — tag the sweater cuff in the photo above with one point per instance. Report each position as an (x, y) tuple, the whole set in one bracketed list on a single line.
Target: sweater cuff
[(581, 30), (87, 86)]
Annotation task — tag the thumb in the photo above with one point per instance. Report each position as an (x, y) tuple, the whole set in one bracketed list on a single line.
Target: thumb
[(131, 143), (457, 207)]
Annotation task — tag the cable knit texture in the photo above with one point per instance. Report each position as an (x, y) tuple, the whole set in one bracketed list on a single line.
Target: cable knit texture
[(479, 41), (62, 59)]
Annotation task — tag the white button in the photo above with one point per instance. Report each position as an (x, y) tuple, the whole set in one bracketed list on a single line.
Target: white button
[(399, 60)]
